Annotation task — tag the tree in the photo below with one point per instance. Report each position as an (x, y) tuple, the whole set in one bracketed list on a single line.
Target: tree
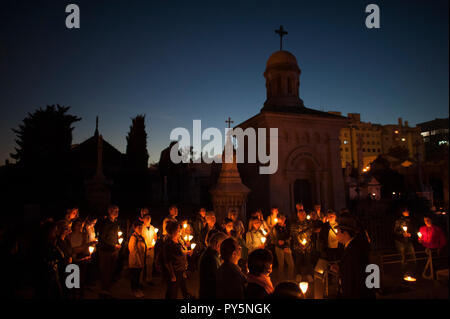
[(45, 137), (136, 153), (44, 140)]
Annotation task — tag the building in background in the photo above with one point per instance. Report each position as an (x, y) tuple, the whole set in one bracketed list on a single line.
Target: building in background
[(363, 142), (435, 137)]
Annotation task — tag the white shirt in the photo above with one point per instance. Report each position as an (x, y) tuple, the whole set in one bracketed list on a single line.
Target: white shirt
[(149, 234)]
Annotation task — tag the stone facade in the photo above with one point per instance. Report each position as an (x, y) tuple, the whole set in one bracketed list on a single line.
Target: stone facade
[(309, 165)]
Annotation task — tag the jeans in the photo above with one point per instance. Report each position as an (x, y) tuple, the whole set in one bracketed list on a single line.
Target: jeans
[(107, 263), (172, 286), (303, 263), (282, 257), (135, 274), (406, 248)]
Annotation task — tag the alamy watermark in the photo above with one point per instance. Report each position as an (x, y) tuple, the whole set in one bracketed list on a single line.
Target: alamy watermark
[(256, 143)]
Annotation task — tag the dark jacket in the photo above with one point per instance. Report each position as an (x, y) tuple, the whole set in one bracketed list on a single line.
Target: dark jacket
[(108, 236), (255, 291), (173, 258), (281, 233), (352, 268), (208, 266), (231, 282), (299, 231)]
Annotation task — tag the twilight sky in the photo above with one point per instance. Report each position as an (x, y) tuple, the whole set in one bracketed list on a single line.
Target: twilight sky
[(177, 61)]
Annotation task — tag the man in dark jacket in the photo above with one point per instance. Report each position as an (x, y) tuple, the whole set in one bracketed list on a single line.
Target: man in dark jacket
[(231, 282), (108, 248), (355, 258), (208, 265), (282, 240)]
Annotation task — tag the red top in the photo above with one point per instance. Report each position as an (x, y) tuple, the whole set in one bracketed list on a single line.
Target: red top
[(432, 237)]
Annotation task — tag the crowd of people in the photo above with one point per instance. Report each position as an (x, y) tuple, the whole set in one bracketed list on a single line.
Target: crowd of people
[(234, 258)]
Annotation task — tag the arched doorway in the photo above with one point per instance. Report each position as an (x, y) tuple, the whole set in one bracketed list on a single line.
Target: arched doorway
[(303, 193)]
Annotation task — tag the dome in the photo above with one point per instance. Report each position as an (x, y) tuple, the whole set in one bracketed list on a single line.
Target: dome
[(281, 57)]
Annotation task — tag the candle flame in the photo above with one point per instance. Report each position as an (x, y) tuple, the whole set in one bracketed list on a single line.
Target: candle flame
[(120, 241), (419, 234), (91, 249), (156, 230), (120, 233), (193, 245), (303, 286), (153, 242), (263, 239), (190, 237), (276, 220), (405, 228), (409, 278), (184, 225), (304, 241), (308, 217), (185, 238)]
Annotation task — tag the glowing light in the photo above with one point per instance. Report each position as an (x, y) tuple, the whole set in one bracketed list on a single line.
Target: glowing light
[(409, 278), (190, 237), (276, 220), (153, 242), (303, 286), (263, 239), (91, 249), (193, 245), (393, 193), (403, 139), (185, 225), (304, 242), (308, 217), (419, 234), (396, 132), (185, 238), (405, 229), (264, 232), (156, 230), (120, 233), (120, 241)]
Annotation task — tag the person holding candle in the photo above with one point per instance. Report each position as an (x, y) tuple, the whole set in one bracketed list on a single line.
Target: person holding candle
[(254, 238), (173, 213), (282, 241), (175, 262), (137, 258), (210, 229), (208, 265), (228, 227), (238, 225), (199, 224), (432, 236), (330, 248), (403, 229), (301, 230), (259, 284), (150, 237), (108, 249), (273, 218)]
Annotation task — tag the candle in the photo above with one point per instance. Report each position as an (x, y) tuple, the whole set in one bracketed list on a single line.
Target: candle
[(120, 233), (91, 249), (304, 241), (264, 232), (153, 242), (184, 225), (156, 230), (263, 239), (308, 217), (409, 278), (419, 234), (120, 241), (185, 238), (275, 220), (405, 229), (303, 286), (190, 237), (193, 245)]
